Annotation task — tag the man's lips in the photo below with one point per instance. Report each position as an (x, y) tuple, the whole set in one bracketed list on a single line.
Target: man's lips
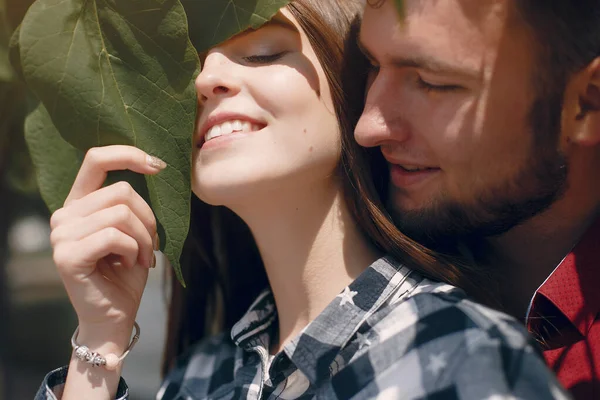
[(414, 168), (407, 175)]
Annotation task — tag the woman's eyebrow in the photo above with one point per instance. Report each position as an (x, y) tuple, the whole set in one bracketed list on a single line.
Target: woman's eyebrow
[(283, 22), (279, 21)]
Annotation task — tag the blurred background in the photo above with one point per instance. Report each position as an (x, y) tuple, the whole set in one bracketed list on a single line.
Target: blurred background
[(36, 319)]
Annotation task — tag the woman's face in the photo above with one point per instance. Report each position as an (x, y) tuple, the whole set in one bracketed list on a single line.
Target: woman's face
[(266, 119)]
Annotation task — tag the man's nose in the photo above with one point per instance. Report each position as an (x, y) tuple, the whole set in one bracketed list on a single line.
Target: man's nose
[(371, 128), (218, 77), (382, 120)]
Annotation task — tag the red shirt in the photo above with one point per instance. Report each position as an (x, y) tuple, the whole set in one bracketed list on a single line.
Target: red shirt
[(565, 317)]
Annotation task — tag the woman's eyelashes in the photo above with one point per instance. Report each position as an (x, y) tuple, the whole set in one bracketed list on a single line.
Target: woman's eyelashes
[(263, 59)]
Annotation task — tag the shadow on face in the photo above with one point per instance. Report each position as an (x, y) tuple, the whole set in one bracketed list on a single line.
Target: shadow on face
[(450, 104)]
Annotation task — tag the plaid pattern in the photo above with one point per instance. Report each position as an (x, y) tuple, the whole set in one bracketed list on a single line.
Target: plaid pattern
[(389, 335)]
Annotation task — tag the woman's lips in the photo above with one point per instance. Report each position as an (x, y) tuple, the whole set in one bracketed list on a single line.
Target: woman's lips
[(224, 140), (225, 123)]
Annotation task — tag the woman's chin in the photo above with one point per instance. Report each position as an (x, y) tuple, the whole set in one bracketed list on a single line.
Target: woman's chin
[(226, 194)]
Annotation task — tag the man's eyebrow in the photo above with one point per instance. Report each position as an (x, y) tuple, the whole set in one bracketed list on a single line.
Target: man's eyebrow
[(425, 63), (434, 65), (363, 49)]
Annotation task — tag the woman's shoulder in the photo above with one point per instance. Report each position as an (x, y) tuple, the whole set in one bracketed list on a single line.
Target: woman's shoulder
[(435, 340), (200, 361), (439, 311)]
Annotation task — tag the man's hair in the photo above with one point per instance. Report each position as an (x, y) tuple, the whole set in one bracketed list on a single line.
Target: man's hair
[(566, 35)]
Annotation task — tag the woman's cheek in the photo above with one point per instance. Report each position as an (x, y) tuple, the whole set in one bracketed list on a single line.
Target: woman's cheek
[(288, 85)]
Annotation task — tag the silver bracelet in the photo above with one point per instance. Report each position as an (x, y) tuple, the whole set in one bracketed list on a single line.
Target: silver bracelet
[(110, 361)]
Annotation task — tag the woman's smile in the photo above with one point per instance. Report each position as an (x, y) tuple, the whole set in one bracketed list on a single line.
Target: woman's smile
[(224, 127)]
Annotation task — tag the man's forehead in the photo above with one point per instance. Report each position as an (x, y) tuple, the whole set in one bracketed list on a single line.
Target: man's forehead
[(432, 29), (468, 17)]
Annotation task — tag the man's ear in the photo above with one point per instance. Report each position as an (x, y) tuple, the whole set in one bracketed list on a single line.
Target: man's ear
[(588, 114)]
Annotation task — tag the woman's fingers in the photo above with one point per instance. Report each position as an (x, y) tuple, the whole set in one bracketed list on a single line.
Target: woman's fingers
[(96, 222), (101, 233), (100, 160), (74, 258), (110, 196), (120, 217)]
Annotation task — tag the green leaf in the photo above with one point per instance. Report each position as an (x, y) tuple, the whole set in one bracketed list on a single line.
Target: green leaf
[(6, 72), (55, 173), (119, 72), (11, 14), (400, 7), (214, 21), (17, 169), (14, 54)]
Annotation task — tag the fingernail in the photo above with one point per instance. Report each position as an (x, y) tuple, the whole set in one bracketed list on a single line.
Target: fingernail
[(114, 261), (156, 242), (155, 162), (153, 265)]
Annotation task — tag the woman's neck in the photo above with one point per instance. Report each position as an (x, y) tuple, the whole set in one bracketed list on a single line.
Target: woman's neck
[(311, 248)]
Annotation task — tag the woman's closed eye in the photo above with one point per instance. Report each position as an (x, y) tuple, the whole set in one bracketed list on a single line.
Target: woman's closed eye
[(264, 58)]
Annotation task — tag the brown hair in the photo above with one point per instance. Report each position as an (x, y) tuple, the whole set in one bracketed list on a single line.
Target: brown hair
[(221, 263), (566, 36)]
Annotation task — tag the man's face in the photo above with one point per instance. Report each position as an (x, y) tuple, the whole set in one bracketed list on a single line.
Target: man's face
[(451, 104)]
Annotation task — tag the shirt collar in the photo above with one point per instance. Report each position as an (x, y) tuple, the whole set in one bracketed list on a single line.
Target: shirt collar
[(256, 326), (573, 286), (316, 347)]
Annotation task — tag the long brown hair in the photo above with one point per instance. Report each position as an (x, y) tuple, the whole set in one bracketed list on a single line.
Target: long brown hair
[(221, 263)]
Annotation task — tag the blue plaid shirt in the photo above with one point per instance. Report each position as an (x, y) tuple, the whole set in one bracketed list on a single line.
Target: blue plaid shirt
[(391, 334)]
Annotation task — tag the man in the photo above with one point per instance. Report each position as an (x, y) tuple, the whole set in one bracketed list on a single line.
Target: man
[(487, 112)]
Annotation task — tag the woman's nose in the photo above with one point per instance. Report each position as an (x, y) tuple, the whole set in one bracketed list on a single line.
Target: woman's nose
[(217, 78)]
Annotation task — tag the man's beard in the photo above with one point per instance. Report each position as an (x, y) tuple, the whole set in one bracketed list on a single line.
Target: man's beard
[(495, 210)]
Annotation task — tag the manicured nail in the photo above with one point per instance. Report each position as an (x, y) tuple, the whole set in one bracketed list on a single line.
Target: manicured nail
[(153, 265), (155, 162), (156, 242)]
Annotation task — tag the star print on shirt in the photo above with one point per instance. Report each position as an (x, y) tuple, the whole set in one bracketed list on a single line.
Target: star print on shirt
[(347, 295), (362, 340), (437, 363), (269, 308)]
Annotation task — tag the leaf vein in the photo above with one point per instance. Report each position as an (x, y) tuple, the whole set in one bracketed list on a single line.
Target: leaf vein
[(133, 26), (113, 75), (147, 79), (64, 74)]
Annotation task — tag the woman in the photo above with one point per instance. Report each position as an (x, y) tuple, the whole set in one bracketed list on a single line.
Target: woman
[(326, 313)]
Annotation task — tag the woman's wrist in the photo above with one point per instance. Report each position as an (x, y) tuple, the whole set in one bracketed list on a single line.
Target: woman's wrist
[(105, 339)]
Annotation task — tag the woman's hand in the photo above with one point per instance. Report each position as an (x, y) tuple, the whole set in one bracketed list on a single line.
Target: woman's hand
[(103, 241)]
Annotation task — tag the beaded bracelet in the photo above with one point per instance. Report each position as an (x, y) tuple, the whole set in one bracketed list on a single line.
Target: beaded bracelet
[(111, 361)]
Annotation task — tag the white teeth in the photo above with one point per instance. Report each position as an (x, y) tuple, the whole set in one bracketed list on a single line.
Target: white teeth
[(226, 128), (229, 127), (213, 132)]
